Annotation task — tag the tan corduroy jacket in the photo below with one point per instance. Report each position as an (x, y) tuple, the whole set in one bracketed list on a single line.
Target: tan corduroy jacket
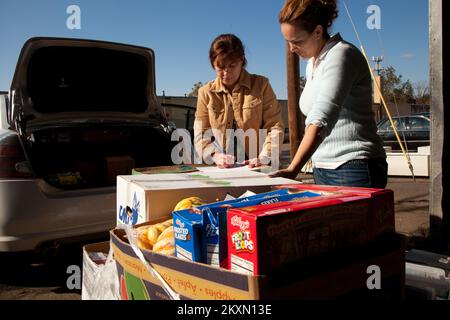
[(252, 105)]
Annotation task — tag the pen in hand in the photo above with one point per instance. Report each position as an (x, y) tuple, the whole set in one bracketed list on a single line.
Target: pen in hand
[(221, 159)]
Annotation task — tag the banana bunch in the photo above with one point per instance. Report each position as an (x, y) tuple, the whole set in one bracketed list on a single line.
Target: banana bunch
[(157, 237), (189, 203)]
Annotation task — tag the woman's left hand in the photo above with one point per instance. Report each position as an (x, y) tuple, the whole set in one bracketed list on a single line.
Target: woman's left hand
[(285, 173), (254, 163)]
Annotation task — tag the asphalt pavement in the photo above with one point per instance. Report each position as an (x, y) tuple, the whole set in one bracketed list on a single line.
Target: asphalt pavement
[(28, 276)]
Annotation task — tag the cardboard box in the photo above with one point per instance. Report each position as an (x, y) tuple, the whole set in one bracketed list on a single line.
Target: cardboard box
[(262, 238), (187, 230), (116, 166), (182, 168), (199, 227), (381, 201), (191, 226), (143, 198), (215, 232), (88, 170), (327, 277), (336, 189)]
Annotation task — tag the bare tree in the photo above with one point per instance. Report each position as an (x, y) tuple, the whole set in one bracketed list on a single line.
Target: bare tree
[(421, 92), (194, 90)]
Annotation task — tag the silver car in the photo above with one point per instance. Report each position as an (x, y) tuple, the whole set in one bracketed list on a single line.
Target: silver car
[(78, 113)]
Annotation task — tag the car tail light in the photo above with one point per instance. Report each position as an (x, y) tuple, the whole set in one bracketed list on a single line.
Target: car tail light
[(13, 164)]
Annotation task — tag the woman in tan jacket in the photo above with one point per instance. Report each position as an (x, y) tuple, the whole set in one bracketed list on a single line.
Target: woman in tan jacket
[(236, 100)]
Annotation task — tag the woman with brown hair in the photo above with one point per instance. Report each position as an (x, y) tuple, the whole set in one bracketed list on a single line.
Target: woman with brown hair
[(235, 100), (341, 134)]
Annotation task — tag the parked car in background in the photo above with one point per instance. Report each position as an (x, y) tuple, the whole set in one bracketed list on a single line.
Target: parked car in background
[(413, 130), (180, 116), (78, 113)]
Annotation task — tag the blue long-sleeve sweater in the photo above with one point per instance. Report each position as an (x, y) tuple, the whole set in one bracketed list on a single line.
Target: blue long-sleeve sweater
[(338, 96)]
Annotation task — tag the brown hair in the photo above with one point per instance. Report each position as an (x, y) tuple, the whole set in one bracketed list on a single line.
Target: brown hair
[(308, 14), (226, 46)]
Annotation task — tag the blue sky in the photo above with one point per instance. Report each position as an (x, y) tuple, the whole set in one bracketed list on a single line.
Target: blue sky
[(180, 33)]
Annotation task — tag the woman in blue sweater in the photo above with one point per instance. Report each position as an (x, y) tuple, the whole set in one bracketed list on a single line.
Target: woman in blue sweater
[(341, 134)]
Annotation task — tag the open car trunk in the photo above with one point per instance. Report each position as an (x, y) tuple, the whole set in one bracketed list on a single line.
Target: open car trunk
[(87, 111), (92, 156)]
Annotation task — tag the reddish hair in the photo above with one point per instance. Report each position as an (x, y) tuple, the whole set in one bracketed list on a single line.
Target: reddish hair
[(226, 47), (308, 14)]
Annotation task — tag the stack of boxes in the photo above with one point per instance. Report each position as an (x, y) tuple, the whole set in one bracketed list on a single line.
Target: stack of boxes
[(230, 249), (201, 233)]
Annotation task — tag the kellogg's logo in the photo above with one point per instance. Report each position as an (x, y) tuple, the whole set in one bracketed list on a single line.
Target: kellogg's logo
[(236, 221), (179, 223)]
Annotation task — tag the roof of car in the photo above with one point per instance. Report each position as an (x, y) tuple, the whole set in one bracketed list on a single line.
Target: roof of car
[(407, 116)]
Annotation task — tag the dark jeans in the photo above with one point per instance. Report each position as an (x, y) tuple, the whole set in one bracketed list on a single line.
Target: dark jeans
[(368, 173)]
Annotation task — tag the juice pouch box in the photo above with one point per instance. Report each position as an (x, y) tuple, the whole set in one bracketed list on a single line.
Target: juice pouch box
[(187, 230), (214, 236), (190, 229)]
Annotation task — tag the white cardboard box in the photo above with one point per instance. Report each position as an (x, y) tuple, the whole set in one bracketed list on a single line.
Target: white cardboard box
[(148, 197)]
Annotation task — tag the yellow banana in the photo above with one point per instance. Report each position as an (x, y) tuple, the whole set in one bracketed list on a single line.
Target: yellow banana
[(189, 203)]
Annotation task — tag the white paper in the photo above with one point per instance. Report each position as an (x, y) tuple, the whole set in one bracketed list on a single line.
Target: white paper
[(248, 193)]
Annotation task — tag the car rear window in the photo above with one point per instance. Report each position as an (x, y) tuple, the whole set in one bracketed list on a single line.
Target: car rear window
[(416, 123), (62, 79), (387, 126)]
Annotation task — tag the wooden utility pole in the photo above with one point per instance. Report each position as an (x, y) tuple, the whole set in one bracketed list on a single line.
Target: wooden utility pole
[(440, 174), (378, 107), (293, 88)]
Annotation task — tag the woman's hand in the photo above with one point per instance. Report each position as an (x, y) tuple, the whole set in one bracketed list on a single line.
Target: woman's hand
[(253, 163), (285, 173), (308, 146), (223, 161)]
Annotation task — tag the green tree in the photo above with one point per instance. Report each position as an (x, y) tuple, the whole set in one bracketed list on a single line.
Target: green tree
[(395, 90), (194, 90), (390, 83), (406, 92)]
